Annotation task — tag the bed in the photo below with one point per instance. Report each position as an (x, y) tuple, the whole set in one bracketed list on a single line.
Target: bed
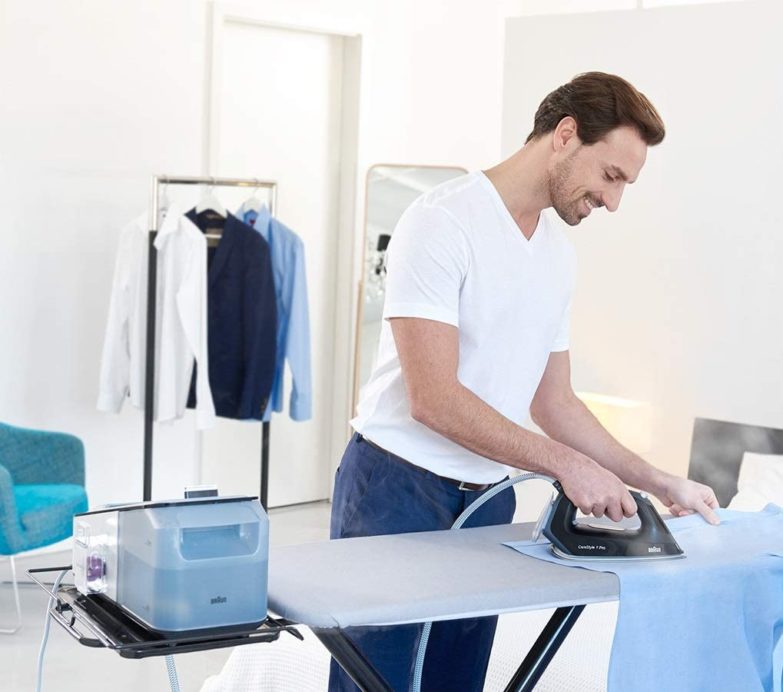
[(718, 448)]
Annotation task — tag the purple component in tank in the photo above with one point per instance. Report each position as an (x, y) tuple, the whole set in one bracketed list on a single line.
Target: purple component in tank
[(96, 567)]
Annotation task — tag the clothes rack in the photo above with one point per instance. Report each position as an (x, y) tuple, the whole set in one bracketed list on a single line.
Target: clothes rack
[(149, 377)]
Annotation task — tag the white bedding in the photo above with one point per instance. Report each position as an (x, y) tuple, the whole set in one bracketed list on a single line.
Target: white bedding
[(760, 482)]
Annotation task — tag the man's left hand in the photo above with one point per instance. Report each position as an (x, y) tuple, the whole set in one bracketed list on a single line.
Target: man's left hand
[(683, 496)]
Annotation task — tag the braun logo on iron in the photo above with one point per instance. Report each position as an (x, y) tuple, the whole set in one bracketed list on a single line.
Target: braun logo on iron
[(654, 549), (217, 599), (591, 547)]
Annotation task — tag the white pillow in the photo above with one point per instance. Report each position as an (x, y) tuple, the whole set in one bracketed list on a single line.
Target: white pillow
[(760, 482)]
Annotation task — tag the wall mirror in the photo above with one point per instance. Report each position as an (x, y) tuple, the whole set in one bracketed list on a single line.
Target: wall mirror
[(390, 190)]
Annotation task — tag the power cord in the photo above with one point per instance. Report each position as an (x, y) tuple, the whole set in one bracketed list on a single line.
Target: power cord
[(170, 667), (47, 623)]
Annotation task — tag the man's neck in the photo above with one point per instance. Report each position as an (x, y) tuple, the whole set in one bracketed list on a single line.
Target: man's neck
[(521, 182)]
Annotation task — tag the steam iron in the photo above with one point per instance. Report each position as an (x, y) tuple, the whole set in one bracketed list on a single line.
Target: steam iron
[(602, 539)]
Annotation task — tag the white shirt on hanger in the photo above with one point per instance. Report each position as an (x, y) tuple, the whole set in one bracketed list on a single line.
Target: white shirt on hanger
[(181, 321)]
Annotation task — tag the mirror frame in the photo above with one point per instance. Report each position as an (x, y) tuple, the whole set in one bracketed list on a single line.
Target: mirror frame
[(360, 283)]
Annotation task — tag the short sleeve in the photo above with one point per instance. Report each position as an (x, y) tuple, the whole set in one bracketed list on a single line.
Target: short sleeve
[(426, 263)]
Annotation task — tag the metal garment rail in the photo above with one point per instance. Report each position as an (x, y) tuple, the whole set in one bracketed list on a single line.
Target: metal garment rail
[(152, 280)]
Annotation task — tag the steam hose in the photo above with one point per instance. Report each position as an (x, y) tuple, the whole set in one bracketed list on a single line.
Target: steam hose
[(172, 672), (461, 519)]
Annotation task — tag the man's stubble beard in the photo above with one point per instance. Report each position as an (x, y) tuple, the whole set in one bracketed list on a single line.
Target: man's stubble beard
[(558, 191)]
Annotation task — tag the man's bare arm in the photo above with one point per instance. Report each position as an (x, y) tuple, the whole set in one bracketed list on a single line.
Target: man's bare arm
[(563, 417), (429, 356)]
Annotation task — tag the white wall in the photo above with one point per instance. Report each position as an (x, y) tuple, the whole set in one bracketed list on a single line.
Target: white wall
[(96, 97), (99, 95), (678, 296)]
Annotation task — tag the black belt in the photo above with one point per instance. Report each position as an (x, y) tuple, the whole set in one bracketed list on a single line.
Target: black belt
[(462, 485)]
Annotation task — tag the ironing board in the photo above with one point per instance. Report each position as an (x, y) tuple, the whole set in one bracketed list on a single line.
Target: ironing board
[(418, 577)]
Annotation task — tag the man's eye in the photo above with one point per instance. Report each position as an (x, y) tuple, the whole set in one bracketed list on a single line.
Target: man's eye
[(608, 177)]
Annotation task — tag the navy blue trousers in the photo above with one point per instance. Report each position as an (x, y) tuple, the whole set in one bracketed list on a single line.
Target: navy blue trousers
[(376, 493)]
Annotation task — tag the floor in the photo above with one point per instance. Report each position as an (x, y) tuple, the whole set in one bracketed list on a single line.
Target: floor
[(69, 667)]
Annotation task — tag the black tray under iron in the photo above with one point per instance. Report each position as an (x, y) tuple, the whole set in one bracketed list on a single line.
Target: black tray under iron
[(97, 622)]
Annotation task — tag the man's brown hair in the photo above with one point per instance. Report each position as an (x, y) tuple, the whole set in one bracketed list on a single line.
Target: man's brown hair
[(599, 102)]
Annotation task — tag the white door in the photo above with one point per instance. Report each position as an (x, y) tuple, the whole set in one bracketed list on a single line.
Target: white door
[(279, 119)]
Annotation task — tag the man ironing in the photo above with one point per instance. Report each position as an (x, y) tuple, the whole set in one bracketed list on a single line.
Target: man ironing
[(475, 335)]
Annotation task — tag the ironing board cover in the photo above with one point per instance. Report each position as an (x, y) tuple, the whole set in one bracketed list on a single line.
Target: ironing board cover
[(416, 577)]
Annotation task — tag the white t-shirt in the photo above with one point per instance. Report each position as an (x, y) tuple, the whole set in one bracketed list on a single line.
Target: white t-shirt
[(457, 256)]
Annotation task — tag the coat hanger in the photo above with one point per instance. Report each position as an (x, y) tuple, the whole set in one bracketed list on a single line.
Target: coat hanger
[(164, 202), (210, 201), (254, 203)]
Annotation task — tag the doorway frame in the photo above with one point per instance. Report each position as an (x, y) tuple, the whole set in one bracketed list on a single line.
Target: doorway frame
[(221, 14)]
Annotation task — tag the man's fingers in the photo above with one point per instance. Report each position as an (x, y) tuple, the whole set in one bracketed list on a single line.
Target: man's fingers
[(584, 509), (707, 512), (628, 505), (701, 507), (614, 510)]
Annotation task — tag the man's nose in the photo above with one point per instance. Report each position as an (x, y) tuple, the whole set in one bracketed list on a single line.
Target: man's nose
[(612, 198)]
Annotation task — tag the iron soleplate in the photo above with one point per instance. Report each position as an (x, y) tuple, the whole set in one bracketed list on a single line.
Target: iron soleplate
[(615, 558)]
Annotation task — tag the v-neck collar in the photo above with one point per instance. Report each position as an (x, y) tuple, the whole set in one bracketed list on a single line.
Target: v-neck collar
[(500, 205), (223, 250)]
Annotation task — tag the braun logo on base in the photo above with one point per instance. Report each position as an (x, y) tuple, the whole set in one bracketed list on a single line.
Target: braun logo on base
[(654, 549), (218, 599)]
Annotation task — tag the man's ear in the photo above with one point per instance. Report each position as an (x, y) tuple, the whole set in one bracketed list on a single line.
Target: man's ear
[(565, 133)]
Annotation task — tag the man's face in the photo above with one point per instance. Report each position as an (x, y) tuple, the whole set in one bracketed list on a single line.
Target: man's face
[(588, 176)]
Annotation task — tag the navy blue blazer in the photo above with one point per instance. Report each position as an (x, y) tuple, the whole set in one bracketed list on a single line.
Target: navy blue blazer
[(241, 321)]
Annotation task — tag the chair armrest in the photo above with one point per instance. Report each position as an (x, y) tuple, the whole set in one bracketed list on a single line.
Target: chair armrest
[(36, 456)]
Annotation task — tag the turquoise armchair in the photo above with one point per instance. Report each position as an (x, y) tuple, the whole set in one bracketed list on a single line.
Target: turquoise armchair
[(41, 488)]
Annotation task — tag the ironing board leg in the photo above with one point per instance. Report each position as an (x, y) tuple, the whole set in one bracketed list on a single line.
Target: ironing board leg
[(352, 661), (544, 649)]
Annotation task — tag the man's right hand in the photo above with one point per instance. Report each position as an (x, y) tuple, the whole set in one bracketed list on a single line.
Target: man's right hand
[(594, 490)]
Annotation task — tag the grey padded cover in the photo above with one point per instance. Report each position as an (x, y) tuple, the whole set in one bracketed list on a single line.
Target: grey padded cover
[(417, 577)]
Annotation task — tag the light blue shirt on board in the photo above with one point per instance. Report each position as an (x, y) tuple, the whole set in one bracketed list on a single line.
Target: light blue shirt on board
[(710, 621)]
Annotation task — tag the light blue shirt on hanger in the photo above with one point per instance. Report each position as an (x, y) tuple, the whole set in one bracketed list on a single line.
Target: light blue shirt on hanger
[(293, 319)]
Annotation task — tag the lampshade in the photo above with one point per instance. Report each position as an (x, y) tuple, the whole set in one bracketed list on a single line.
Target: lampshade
[(629, 421)]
